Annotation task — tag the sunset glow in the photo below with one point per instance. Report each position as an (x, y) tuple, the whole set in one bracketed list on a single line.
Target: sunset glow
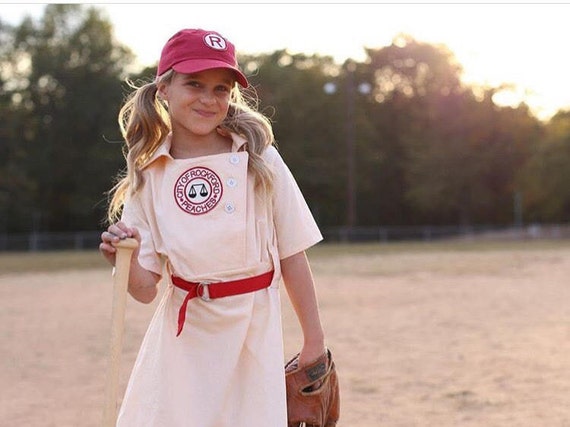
[(514, 44)]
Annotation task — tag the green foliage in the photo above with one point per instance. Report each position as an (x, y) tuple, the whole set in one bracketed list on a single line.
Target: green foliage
[(427, 148), (64, 93), (546, 175), (466, 163), (307, 124)]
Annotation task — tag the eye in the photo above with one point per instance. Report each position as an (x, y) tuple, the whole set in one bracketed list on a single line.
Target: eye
[(193, 83), (223, 88)]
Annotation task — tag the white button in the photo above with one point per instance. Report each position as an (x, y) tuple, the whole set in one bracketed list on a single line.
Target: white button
[(229, 208), (231, 182), (234, 159)]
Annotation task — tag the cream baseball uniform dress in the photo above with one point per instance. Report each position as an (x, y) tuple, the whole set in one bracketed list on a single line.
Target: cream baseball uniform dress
[(202, 217)]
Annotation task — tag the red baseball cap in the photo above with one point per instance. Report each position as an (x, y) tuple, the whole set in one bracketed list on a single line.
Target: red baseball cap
[(194, 50)]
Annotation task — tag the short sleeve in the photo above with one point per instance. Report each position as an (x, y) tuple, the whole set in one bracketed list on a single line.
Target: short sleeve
[(134, 216), (295, 225)]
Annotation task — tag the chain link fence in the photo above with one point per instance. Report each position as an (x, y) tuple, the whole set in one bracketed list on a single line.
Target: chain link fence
[(89, 240), (48, 241)]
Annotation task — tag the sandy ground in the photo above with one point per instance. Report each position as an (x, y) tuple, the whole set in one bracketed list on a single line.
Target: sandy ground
[(420, 339)]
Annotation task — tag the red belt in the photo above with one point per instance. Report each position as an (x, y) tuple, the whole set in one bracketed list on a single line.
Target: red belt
[(208, 291)]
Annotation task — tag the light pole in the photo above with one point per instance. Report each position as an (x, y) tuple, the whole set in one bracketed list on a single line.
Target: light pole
[(363, 88)]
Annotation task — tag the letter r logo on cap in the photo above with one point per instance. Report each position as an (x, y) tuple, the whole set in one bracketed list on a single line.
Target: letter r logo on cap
[(215, 41)]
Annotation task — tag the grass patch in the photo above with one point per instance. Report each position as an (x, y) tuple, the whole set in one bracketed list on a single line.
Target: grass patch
[(450, 245), (449, 257), (368, 257), (28, 262)]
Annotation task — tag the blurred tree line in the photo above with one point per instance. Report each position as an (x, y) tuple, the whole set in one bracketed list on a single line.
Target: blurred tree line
[(396, 139)]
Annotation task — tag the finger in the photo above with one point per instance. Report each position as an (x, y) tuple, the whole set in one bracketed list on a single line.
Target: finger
[(107, 248), (134, 232), (124, 231), (110, 236), (119, 230)]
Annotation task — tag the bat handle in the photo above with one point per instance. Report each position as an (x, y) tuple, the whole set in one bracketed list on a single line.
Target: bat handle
[(124, 253)]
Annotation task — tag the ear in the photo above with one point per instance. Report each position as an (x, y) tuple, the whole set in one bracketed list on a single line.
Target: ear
[(162, 90)]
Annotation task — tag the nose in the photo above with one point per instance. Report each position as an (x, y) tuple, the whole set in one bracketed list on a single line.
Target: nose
[(207, 97)]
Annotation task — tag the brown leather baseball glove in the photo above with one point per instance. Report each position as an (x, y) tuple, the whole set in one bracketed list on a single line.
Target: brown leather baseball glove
[(313, 398)]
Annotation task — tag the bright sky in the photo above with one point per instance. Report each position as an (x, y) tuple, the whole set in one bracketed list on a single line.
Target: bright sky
[(520, 43)]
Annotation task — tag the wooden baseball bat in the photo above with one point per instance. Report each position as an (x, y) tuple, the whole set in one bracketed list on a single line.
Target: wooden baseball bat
[(125, 249)]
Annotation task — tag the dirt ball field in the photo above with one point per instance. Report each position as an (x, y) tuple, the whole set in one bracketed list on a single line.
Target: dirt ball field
[(442, 335)]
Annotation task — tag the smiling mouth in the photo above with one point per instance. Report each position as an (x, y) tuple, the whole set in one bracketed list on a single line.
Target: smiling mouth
[(205, 113)]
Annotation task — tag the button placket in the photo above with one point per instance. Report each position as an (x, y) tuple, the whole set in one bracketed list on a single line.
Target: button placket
[(234, 159), (229, 207), (232, 183)]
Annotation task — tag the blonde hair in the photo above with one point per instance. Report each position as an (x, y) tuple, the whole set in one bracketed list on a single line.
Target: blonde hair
[(144, 122)]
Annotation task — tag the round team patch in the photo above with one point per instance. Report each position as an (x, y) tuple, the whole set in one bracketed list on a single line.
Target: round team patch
[(198, 190)]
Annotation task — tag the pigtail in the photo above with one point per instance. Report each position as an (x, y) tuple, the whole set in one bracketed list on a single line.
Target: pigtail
[(245, 120), (144, 123)]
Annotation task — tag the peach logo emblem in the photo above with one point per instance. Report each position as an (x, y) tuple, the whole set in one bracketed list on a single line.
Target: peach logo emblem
[(198, 190)]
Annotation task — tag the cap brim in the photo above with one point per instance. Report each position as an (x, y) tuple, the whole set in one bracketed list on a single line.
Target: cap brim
[(197, 65)]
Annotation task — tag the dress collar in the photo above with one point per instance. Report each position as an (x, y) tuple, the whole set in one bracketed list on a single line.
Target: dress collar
[(163, 150)]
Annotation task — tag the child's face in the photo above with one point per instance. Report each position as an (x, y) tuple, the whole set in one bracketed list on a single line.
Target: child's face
[(198, 103)]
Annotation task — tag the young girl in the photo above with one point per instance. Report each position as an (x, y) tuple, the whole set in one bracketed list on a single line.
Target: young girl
[(213, 205)]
